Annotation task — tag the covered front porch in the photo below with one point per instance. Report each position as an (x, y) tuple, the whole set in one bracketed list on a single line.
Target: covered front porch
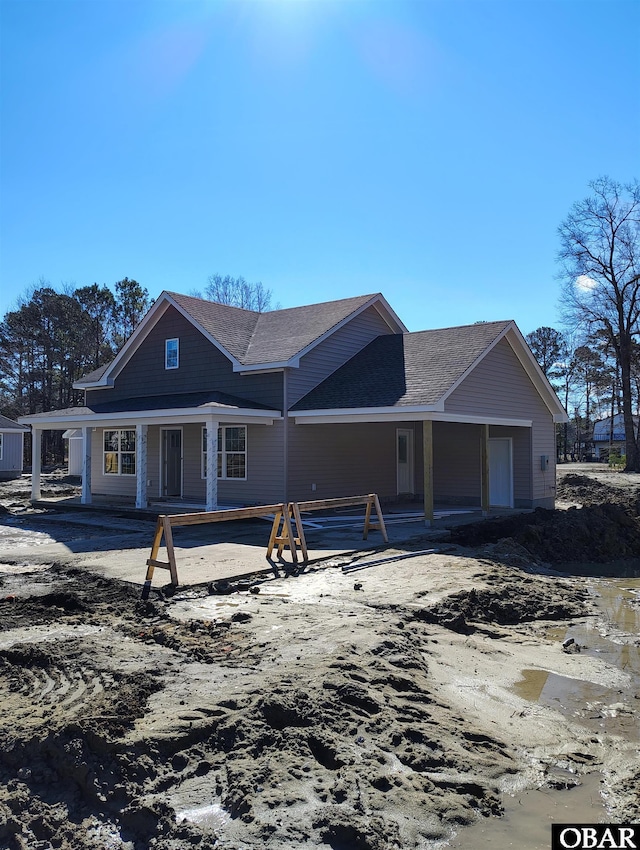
[(139, 458)]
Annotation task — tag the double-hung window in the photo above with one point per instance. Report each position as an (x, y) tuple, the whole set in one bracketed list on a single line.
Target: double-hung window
[(232, 452), (119, 455), (171, 353)]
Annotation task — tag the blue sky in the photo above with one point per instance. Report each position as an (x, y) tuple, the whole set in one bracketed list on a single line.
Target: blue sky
[(427, 150)]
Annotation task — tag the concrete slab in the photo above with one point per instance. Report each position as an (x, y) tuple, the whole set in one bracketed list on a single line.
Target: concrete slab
[(117, 546)]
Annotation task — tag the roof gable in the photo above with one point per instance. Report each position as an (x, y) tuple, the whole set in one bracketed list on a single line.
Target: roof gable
[(250, 340), (405, 369), (7, 425), (421, 370)]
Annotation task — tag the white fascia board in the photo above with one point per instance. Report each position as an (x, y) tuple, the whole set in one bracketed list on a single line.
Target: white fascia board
[(154, 417), (377, 301), (407, 414), (402, 328), (265, 368)]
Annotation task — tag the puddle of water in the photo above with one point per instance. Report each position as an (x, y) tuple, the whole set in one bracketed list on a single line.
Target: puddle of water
[(613, 636), (528, 816), (598, 707)]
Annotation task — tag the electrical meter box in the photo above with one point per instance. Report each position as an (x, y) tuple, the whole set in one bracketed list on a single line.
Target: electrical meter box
[(544, 462)]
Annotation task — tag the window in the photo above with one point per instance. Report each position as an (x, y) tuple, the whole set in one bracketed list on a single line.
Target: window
[(232, 452), (119, 453), (171, 353)]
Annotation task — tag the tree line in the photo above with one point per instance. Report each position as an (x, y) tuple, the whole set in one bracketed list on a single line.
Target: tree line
[(52, 338), (586, 378)]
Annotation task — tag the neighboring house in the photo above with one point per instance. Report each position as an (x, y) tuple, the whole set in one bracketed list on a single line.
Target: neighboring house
[(215, 405), (11, 448), (609, 434)]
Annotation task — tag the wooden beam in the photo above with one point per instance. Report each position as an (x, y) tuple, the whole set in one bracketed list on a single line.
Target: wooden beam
[(343, 502), (427, 451), (223, 516)]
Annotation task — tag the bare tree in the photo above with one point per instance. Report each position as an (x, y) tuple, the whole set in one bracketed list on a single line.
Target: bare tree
[(600, 267), (237, 292)]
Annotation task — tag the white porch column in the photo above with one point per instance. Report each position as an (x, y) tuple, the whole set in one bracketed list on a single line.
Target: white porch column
[(86, 466), (484, 456), (212, 464), (141, 466), (36, 462), (427, 451)]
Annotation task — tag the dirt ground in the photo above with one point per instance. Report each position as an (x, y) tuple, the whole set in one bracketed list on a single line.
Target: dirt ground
[(349, 708)]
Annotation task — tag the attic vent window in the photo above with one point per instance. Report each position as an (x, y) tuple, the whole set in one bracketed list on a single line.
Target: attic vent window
[(171, 353)]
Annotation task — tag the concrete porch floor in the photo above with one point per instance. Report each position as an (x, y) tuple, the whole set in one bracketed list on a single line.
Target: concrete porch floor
[(114, 540)]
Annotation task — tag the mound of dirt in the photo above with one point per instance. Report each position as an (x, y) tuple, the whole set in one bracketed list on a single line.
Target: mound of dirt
[(587, 491), (597, 533), (514, 601)]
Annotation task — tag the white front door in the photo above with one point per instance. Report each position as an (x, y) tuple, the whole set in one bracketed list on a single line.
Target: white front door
[(404, 461), (500, 473)]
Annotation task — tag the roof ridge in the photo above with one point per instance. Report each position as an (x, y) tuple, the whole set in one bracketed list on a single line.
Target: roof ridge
[(482, 324)]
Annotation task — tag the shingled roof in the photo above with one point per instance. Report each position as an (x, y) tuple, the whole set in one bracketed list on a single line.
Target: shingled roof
[(7, 424), (404, 369), (272, 337)]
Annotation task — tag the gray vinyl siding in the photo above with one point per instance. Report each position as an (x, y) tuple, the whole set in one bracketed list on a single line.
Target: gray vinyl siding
[(499, 386), (265, 469), (355, 459), (265, 478), (108, 485), (343, 460), (193, 485), (334, 351), (154, 472), (265, 475), (202, 367), (456, 464), (12, 454)]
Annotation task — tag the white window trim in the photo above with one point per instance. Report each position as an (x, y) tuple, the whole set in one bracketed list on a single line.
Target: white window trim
[(119, 454), (222, 451), (1, 446), (166, 353)]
